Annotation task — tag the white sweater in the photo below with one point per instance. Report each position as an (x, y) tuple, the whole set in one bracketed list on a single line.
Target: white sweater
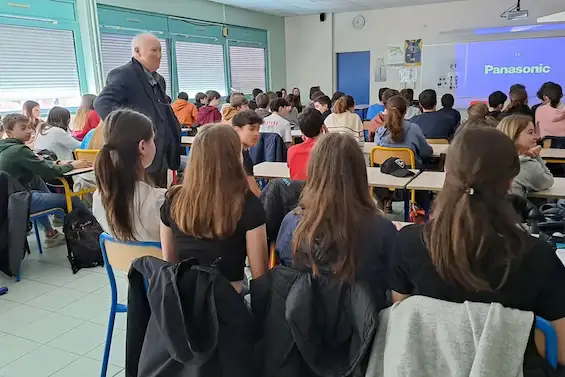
[(146, 212), (347, 122), (57, 140)]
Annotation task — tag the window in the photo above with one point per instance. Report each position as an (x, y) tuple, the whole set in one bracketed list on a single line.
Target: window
[(46, 72), (116, 51), (247, 68), (200, 67)]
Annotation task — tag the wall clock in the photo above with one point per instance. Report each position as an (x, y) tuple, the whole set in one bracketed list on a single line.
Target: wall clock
[(358, 22)]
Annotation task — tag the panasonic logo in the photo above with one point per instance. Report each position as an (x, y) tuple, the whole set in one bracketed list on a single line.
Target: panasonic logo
[(529, 69)]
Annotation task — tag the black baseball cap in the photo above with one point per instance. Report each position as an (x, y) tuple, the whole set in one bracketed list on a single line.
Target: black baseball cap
[(396, 167)]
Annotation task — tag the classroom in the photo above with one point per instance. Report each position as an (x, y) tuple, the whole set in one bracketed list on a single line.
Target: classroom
[(241, 188)]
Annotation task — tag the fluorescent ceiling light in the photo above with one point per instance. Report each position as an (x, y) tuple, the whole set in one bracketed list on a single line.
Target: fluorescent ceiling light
[(555, 17)]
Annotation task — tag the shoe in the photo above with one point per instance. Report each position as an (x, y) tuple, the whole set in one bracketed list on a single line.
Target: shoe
[(57, 221), (57, 240), (380, 205), (388, 207)]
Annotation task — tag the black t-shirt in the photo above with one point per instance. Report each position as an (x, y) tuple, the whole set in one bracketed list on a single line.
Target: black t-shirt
[(232, 249), (536, 283), (436, 124), (247, 163)]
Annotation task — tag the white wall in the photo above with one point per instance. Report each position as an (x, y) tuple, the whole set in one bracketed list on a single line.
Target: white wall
[(310, 51), (309, 54)]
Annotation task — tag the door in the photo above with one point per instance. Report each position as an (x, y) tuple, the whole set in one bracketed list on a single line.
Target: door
[(353, 75)]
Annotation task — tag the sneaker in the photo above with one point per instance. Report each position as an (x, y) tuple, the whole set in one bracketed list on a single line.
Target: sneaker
[(57, 240), (57, 221)]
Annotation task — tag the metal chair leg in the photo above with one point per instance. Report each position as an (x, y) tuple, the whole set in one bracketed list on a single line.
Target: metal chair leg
[(37, 236)]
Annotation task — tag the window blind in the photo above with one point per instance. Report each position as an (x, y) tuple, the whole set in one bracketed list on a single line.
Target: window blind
[(46, 71), (116, 51), (247, 68), (200, 67)]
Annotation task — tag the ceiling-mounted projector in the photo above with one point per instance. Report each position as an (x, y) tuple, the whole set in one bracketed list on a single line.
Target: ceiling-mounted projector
[(515, 13)]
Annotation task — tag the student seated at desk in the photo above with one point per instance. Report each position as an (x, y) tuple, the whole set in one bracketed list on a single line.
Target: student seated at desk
[(447, 103), (125, 204), (86, 118), (311, 123), (209, 113), (336, 226), (276, 123), (185, 111), (534, 174), (434, 124), (214, 217), (400, 133), (343, 119), (412, 108), (518, 102), (247, 124), (472, 248), (21, 163), (378, 107), (379, 119), (324, 105), (55, 135), (550, 116), (496, 103), (262, 101), (237, 103)]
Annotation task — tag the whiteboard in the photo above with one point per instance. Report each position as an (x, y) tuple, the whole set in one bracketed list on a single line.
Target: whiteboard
[(440, 69)]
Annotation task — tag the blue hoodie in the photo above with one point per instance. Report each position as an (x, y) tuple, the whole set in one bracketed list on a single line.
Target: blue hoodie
[(413, 139)]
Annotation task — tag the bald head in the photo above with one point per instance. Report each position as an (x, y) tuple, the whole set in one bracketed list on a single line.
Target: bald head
[(146, 49)]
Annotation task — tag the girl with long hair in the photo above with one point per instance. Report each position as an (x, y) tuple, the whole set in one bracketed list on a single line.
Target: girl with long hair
[(296, 94), (54, 134), (518, 103), (534, 174), (472, 248), (400, 133), (86, 118), (337, 228), (214, 216), (550, 116), (343, 119), (125, 204), (292, 116), (32, 111)]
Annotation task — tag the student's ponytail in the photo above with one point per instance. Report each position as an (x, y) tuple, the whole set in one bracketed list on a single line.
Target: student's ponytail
[(118, 168), (343, 104), (394, 118), (518, 98)]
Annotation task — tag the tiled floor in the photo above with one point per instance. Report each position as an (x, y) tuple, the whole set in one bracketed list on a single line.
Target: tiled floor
[(53, 323)]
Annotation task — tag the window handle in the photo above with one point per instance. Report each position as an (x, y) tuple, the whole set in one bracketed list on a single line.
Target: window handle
[(133, 20)]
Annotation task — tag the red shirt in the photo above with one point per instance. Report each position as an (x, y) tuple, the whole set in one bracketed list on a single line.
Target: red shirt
[(92, 122), (298, 157)]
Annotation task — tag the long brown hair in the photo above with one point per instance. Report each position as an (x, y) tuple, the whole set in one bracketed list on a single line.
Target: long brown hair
[(477, 111), (86, 104), (472, 225), (334, 205), (394, 118), (210, 202), (518, 98), (343, 104), (27, 110), (118, 168)]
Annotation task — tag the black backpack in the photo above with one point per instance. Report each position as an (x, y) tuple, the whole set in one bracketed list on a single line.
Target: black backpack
[(82, 233)]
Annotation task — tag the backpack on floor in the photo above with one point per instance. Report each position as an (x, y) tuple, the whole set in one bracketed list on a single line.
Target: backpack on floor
[(82, 233)]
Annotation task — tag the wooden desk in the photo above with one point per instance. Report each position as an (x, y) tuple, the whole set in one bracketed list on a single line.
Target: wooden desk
[(553, 155), (401, 224), (187, 140), (296, 133), (428, 181), (557, 191), (374, 175), (78, 171), (439, 149)]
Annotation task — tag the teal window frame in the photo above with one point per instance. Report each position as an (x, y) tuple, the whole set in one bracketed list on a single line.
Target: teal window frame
[(50, 20)]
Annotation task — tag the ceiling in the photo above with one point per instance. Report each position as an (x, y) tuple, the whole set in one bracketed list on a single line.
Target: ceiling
[(301, 7)]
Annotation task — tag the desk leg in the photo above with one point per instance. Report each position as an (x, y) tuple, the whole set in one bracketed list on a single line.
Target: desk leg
[(67, 194), (406, 206)]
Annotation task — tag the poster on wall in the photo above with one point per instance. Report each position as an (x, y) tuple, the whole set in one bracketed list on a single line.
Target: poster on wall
[(395, 55), (413, 53), (380, 70)]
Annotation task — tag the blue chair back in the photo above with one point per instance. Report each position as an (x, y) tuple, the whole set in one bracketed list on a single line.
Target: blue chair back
[(550, 340)]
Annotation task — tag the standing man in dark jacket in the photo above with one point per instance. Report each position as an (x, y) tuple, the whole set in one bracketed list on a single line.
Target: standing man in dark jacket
[(138, 86)]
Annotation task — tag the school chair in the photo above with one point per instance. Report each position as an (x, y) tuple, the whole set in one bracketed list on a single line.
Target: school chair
[(120, 255), (550, 339), (437, 141), (86, 154), (379, 155)]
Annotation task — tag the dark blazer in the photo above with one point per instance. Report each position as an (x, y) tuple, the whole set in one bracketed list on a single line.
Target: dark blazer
[(128, 87), (270, 148)]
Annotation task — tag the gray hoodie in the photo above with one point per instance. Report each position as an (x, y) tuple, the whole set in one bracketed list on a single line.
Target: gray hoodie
[(534, 176)]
